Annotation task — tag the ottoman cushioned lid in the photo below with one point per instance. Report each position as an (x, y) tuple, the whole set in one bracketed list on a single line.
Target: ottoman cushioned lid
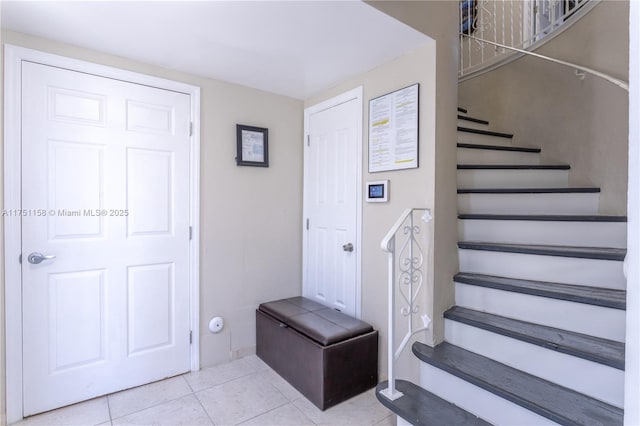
[(316, 321)]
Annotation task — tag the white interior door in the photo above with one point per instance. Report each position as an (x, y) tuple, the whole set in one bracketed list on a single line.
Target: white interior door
[(105, 189), (331, 205)]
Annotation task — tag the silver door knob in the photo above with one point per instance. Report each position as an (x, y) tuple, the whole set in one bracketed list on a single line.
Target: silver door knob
[(348, 247), (36, 257)]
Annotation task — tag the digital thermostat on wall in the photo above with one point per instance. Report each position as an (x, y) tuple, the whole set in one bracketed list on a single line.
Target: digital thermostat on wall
[(378, 192)]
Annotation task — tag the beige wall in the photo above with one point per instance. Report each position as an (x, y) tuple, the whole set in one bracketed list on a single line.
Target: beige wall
[(250, 217), (407, 188), (438, 19), (251, 235), (580, 122), (432, 185)]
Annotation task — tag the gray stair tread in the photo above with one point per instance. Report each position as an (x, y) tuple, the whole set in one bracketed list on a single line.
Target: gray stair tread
[(601, 253), (544, 398), (529, 191), (532, 150), (420, 407), (602, 351), (473, 120), (514, 167), (545, 218), (605, 297), (485, 132)]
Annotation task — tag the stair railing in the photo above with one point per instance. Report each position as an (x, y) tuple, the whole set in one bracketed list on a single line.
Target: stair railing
[(407, 260), (490, 30), (579, 68)]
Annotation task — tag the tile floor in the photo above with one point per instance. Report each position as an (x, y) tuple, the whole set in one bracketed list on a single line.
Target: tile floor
[(245, 391)]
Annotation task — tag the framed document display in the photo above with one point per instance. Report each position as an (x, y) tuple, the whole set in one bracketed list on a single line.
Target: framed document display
[(393, 130), (252, 146)]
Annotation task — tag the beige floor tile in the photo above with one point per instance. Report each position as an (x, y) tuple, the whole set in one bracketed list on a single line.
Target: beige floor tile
[(137, 399), (92, 412), (245, 390), (363, 409), (259, 364), (213, 376), (281, 384), (286, 415), (184, 411), (241, 399)]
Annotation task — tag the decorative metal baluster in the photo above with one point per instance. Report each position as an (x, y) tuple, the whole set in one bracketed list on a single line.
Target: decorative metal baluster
[(522, 23), (462, 39), (469, 42), (481, 27), (409, 261), (533, 20), (512, 26), (503, 24), (487, 22), (495, 27)]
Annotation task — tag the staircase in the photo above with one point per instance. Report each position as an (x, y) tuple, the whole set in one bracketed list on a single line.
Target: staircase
[(537, 333)]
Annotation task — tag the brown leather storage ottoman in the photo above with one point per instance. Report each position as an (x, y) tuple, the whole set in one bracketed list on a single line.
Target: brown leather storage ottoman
[(326, 355)]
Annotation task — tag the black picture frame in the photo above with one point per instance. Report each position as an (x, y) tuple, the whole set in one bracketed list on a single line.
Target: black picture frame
[(383, 133), (252, 146)]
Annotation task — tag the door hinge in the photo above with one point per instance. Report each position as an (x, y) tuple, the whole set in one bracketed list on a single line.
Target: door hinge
[(307, 224), (308, 140), (20, 259), (190, 337), (191, 128), (190, 233)]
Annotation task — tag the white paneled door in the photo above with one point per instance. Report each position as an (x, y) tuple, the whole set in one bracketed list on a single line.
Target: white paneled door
[(331, 198), (105, 235)]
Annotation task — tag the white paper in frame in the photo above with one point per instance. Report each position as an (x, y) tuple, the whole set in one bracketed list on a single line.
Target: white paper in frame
[(393, 130)]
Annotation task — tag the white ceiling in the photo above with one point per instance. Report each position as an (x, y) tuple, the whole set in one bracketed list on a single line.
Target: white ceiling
[(294, 48)]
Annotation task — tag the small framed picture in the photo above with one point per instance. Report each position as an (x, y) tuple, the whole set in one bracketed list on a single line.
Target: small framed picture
[(252, 146)]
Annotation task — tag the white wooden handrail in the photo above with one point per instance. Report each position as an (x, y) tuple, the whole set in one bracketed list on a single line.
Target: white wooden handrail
[(620, 83), (386, 241)]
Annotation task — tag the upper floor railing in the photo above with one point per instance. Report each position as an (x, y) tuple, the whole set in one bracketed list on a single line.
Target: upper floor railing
[(510, 25), (407, 246)]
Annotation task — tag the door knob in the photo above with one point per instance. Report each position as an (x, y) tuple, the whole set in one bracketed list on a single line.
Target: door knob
[(348, 247), (36, 257)]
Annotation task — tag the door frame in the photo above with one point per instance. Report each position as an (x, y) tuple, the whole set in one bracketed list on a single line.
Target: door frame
[(356, 94), (13, 58)]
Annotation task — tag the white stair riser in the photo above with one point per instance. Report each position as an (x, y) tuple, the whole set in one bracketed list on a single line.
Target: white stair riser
[(468, 137), (471, 124), (597, 321), (492, 156), (573, 203), (590, 378), (472, 179), (568, 270), (587, 234), (484, 404)]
